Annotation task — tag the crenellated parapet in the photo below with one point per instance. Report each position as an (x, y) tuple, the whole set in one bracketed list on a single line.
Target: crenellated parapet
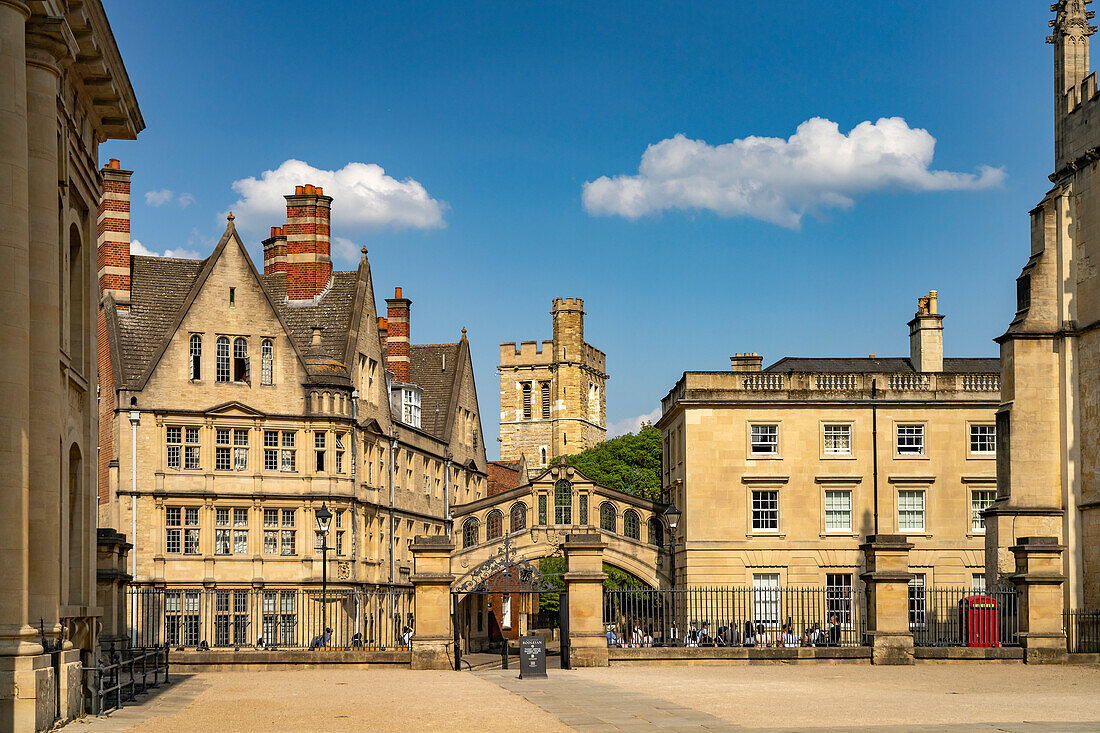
[(527, 353)]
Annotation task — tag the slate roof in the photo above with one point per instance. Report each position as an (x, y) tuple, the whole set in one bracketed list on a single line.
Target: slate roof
[(159, 286), (426, 370), (885, 365), (331, 313)]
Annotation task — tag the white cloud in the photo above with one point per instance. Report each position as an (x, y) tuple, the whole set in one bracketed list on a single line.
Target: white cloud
[(364, 198), (779, 181), (632, 424), (158, 198), (137, 248), (165, 195)]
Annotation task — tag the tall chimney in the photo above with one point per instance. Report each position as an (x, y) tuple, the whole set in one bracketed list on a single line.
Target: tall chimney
[(746, 362), (926, 335), (113, 234), (308, 263), (275, 251), (397, 335)]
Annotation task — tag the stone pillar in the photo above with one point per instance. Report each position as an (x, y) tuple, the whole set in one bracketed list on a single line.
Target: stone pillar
[(584, 578), (887, 579), (1038, 579), (44, 53), (433, 640)]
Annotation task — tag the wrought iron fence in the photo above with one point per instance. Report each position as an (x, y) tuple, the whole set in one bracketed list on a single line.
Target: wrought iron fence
[(942, 616), (123, 674), (1082, 629), (736, 616), (270, 618)]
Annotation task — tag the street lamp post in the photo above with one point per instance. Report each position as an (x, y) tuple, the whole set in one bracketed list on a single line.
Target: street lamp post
[(672, 517), (324, 518)]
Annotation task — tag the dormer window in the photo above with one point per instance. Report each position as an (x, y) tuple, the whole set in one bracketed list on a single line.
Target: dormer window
[(410, 406)]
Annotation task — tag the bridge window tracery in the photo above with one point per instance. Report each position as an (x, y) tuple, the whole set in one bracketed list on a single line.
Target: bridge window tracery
[(563, 502), (519, 517), (656, 532), (494, 525), (607, 516), (469, 533), (630, 524)]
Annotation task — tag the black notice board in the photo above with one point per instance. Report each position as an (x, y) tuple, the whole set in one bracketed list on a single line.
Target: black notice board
[(532, 657)]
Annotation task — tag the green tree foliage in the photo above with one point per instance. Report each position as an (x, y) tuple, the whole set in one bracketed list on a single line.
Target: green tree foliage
[(630, 463), (554, 567)]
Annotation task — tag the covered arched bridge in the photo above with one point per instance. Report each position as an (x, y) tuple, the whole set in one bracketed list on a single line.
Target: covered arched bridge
[(538, 515)]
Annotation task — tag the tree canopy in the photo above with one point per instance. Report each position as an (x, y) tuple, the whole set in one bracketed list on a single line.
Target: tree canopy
[(630, 463)]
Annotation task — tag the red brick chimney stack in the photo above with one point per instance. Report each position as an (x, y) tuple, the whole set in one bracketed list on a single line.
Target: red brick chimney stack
[(275, 251), (113, 234), (308, 263), (397, 335)]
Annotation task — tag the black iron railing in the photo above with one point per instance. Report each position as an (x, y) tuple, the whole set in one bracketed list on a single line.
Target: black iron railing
[(270, 618), (124, 673), (736, 616), (950, 616), (1082, 627)]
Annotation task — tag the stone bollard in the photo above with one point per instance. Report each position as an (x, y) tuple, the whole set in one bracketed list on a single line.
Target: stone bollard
[(1038, 579), (584, 582), (432, 641), (887, 579)]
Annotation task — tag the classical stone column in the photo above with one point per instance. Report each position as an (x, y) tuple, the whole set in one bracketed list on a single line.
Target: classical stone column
[(887, 579), (432, 640), (584, 578), (44, 53), (1039, 579), (16, 636)]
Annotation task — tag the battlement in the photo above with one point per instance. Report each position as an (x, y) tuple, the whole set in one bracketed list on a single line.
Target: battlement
[(568, 304), (527, 353), (594, 358), (1081, 104)]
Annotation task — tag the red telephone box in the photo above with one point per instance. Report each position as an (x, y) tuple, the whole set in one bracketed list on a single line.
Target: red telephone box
[(979, 620)]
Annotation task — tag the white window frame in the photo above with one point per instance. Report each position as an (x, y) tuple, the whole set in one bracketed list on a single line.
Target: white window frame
[(980, 433), (846, 433), (410, 407), (758, 436), (766, 599), (988, 496), (267, 359), (838, 511), (911, 432), (907, 507), (918, 601), (759, 510)]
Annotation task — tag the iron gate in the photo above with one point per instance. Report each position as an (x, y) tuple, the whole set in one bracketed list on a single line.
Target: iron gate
[(503, 574)]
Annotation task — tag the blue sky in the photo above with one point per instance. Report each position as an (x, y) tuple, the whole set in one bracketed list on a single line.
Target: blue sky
[(490, 118)]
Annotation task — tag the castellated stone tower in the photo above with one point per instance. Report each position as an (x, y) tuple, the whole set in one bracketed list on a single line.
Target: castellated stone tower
[(552, 400)]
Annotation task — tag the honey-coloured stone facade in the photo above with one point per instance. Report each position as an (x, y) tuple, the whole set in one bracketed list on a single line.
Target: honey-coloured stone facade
[(552, 394)]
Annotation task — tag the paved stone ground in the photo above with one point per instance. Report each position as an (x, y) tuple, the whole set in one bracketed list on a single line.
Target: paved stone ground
[(948, 698)]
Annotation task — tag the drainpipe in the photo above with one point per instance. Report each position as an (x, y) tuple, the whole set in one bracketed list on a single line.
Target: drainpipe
[(448, 520), (874, 445), (135, 418), (393, 519), (353, 436)]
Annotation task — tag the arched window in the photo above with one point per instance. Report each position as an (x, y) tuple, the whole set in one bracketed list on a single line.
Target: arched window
[(76, 527), (519, 517), (267, 354), (630, 524), (196, 356), (545, 400), (240, 360), (607, 516), (526, 400), (77, 300), (542, 455), (223, 359), (656, 532), (494, 525), (563, 502), (469, 533)]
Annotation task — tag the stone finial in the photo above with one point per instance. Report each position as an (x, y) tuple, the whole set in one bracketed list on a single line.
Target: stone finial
[(463, 333), (229, 217), (1071, 19)]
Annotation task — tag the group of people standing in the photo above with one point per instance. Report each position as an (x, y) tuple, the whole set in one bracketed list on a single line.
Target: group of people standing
[(748, 634)]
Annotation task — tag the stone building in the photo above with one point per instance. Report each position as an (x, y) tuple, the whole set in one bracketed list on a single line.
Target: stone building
[(552, 400), (64, 92), (782, 472), (234, 404), (1049, 420)]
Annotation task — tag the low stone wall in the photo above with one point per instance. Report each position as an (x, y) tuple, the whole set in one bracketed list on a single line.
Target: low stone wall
[(737, 655), (968, 653), (258, 661)]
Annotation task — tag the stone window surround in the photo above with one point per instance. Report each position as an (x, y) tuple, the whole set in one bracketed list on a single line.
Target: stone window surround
[(984, 455), (851, 454), (924, 454), (749, 455)]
